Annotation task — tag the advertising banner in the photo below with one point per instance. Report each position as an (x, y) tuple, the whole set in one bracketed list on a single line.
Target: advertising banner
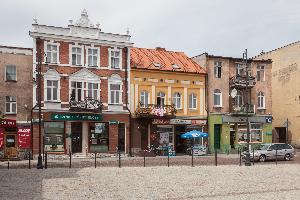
[(24, 138), (1, 137)]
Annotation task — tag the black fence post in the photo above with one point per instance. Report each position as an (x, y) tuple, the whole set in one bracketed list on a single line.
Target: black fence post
[(8, 164), (276, 156), (95, 159), (168, 156), (216, 157), (193, 156), (29, 158), (46, 160), (253, 156), (119, 152), (70, 154), (240, 154), (144, 157)]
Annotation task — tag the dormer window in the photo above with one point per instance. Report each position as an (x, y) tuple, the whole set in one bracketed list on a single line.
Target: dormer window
[(156, 65), (174, 66)]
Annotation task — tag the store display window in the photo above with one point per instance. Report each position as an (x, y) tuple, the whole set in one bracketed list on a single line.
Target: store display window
[(54, 136), (99, 137)]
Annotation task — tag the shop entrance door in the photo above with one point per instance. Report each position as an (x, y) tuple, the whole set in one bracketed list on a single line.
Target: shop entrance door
[(10, 145), (217, 136), (76, 131), (281, 131), (121, 137)]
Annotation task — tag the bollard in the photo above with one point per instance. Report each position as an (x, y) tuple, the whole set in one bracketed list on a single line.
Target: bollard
[(8, 164), (276, 156), (193, 156), (46, 160), (144, 158), (119, 152), (168, 157), (240, 153), (29, 165), (216, 157), (253, 156), (95, 160), (70, 159)]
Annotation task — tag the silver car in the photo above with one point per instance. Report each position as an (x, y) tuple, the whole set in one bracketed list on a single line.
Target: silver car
[(268, 152)]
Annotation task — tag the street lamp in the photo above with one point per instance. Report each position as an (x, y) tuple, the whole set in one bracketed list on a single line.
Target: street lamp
[(247, 162), (39, 83)]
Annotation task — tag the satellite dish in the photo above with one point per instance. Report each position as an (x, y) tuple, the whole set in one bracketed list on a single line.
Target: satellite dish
[(233, 93)]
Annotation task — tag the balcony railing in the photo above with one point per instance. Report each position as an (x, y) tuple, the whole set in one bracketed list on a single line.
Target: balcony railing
[(240, 81), (155, 111), (242, 110), (87, 105)]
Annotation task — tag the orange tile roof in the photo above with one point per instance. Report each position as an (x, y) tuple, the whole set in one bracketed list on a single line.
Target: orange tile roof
[(160, 59)]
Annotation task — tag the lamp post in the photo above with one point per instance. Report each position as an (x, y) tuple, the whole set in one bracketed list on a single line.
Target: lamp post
[(39, 82), (247, 162)]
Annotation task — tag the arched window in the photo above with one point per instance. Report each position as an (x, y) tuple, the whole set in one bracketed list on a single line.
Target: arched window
[(160, 99), (217, 98), (192, 101), (261, 100), (144, 98), (177, 100)]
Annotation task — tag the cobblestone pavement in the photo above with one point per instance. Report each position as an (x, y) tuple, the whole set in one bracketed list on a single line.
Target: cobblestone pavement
[(227, 182)]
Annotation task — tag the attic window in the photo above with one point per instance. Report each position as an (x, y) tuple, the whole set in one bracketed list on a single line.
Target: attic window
[(156, 64), (174, 66)]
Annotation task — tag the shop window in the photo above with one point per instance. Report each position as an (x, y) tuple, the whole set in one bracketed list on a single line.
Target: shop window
[(10, 141), (193, 101), (11, 73), (144, 98), (52, 53), (54, 136), (218, 69), (10, 105), (99, 137), (255, 132)]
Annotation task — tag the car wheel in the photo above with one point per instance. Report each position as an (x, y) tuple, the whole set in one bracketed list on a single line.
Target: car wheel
[(287, 157), (262, 158)]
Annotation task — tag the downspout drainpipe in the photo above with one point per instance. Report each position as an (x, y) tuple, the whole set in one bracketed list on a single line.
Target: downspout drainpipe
[(207, 102), (127, 96)]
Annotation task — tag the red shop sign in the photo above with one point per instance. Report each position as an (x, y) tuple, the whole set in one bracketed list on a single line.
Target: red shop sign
[(1, 137), (8, 123), (24, 138)]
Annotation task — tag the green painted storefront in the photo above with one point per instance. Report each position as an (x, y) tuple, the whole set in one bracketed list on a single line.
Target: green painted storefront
[(221, 131)]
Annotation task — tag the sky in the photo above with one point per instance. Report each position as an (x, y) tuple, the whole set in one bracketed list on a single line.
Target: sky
[(218, 27)]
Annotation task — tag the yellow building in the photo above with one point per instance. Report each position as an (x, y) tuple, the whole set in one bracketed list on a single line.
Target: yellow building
[(168, 98), (285, 92)]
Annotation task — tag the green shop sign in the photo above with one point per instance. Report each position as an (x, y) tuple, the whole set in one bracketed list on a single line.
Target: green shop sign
[(113, 122), (76, 117)]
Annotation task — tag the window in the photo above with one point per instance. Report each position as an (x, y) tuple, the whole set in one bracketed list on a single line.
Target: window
[(260, 74), (10, 105), (54, 136), (261, 100), (192, 101), (52, 90), (76, 56), (217, 98), (238, 100), (76, 91), (177, 100), (240, 69), (92, 57), (51, 53), (160, 99), (92, 90), (11, 73), (255, 132), (115, 93), (218, 69), (144, 98), (115, 59)]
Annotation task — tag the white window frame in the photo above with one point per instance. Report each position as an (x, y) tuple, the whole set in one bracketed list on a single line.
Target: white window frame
[(51, 87), (259, 69), (220, 96), (218, 68), (87, 57), (46, 43), (146, 100), (261, 96), (237, 99), (159, 94), (52, 75), (120, 58), (193, 96), (115, 79), (177, 96), (71, 46), (240, 69), (86, 93), (6, 70), (10, 105)]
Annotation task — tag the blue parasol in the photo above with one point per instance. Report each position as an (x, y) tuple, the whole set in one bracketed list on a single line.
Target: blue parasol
[(193, 134)]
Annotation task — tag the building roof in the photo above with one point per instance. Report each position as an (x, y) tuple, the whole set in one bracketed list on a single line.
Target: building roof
[(15, 50), (161, 59)]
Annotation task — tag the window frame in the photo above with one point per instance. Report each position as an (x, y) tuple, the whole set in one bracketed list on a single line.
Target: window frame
[(52, 75), (145, 95), (261, 96), (177, 98), (110, 58), (11, 103), (71, 55), (218, 69), (5, 75), (220, 96), (46, 52), (87, 57), (115, 79), (259, 70), (159, 95), (193, 97), (51, 88)]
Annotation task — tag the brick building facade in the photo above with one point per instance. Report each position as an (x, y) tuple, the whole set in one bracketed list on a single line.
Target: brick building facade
[(84, 88)]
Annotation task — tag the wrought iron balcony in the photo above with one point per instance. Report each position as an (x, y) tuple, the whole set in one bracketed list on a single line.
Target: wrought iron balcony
[(242, 110), (155, 111), (87, 105), (240, 81)]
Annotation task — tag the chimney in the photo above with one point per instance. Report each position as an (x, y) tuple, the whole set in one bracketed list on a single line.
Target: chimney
[(160, 49)]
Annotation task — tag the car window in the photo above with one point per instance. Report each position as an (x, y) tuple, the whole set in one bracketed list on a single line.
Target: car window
[(287, 146), (281, 146), (272, 147)]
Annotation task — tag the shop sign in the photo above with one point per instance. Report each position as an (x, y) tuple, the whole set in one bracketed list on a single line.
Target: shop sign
[(180, 121), (198, 122), (24, 138), (76, 117), (161, 121), (1, 137), (269, 119), (268, 133), (113, 122), (233, 119), (8, 123)]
